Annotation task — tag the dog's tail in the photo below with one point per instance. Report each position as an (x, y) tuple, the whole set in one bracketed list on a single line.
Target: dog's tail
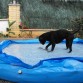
[(75, 31)]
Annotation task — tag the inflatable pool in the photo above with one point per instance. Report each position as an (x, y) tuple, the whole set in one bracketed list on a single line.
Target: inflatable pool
[(26, 61)]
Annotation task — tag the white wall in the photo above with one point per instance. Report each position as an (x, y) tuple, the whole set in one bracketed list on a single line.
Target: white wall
[(3, 25)]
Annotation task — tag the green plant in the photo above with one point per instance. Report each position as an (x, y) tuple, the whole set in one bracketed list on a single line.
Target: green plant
[(1, 34), (11, 23), (76, 24), (9, 29)]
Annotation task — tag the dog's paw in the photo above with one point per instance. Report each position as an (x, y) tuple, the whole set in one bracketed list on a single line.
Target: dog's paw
[(41, 48), (69, 52)]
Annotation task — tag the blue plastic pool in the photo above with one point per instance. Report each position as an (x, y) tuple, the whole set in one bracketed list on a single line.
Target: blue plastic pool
[(22, 61)]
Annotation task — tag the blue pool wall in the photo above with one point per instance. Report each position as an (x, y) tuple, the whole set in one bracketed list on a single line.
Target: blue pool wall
[(54, 70)]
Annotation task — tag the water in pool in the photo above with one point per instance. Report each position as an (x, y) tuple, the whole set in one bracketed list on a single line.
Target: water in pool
[(33, 53)]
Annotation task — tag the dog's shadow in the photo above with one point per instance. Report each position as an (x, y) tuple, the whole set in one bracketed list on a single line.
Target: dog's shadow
[(41, 48)]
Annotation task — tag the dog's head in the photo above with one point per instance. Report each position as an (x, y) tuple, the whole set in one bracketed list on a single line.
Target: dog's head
[(42, 39)]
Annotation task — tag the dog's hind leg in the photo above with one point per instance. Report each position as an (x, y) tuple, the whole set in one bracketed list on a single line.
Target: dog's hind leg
[(53, 46), (70, 46), (66, 44)]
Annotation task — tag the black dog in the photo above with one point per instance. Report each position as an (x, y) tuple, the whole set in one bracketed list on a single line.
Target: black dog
[(55, 37)]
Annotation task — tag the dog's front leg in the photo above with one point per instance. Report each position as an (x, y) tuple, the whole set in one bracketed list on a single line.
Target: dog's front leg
[(53, 46), (67, 44), (70, 46), (47, 46)]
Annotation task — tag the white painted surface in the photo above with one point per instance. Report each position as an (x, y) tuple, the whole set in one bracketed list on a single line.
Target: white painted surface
[(3, 25)]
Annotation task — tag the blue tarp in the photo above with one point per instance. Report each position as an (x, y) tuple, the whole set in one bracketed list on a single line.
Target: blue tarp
[(55, 70)]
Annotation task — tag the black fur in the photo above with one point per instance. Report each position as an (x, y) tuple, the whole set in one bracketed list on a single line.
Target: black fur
[(55, 37)]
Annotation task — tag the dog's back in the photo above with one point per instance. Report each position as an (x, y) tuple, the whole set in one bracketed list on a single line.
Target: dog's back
[(57, 36)]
